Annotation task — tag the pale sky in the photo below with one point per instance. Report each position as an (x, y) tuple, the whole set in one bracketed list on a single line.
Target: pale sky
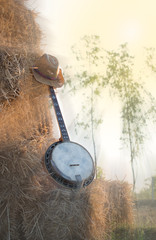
[(116, 21), (63, 23)]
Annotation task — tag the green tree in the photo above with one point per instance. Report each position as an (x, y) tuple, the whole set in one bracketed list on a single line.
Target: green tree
[(88, 80), (137, 104), (100, 173), (116, 73), (151, 59), (121, 80), (149, 191)]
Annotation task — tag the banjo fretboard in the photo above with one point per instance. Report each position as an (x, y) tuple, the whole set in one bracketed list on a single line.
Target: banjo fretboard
[(63, 130)]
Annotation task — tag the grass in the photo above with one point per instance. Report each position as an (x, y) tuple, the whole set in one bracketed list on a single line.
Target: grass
[(144, 227), (134, 234), (32, 206)]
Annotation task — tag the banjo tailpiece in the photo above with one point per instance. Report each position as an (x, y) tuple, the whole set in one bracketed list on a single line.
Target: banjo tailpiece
[(68, 163)]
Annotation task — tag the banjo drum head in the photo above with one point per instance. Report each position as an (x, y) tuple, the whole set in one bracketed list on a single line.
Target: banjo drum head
[(70, 164)]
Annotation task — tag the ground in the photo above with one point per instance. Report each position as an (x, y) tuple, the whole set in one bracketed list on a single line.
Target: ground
[(144, 227)]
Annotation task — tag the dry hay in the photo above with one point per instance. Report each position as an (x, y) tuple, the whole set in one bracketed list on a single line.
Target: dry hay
[(112, 206), (15, 73), (32, 206), (28, 117), (20, 38), (17, 26), (19, 166), (61, 214), (120, 205), (12, 63)]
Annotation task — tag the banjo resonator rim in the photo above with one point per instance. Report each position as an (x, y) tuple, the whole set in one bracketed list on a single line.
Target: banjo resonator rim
[(58, 176)]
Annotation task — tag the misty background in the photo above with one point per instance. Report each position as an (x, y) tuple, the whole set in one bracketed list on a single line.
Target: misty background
[(63, 23)]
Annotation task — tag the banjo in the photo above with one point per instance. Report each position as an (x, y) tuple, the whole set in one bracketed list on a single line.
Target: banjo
[(68, 163)]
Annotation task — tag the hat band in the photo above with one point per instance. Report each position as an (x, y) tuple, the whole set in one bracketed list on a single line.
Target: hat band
[(44, 76)]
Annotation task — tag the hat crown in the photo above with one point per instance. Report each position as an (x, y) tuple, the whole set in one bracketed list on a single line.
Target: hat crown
[(47, 71), (48, 65)]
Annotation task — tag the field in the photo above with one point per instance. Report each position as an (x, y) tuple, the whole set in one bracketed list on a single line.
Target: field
[(144, 227), (32, 206)]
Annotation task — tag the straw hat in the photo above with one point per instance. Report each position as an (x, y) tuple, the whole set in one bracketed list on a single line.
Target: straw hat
[(47, 71)]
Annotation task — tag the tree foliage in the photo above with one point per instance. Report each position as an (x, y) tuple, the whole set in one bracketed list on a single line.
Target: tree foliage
[(115, 73), (88, 80), (151, 59), (100, 173), (149, 191), (132, 96)]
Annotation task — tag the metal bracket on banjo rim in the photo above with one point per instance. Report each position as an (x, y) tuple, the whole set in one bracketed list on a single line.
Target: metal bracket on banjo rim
[(69, 163), (63, 174)]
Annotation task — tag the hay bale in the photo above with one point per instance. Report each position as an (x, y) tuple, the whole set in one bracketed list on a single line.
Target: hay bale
[(41, 208), (19, 166), (11, 71), (97, 214), (18, 26), (28, 117), (47, 211), (61, 214), (15, 75), (120, 207), (19, 47), (111, 205), (9, 227), (32, 205)]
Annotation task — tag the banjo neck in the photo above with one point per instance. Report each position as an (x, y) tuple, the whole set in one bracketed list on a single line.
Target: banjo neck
[(62, 126), (68, 163)]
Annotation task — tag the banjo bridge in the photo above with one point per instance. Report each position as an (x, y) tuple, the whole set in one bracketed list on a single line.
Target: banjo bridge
[(74, 165)]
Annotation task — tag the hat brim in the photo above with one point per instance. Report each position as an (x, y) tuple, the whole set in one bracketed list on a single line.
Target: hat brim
[(53, 83)]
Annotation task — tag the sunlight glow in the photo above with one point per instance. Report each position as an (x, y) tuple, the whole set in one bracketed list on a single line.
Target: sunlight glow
[(130, 31)]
